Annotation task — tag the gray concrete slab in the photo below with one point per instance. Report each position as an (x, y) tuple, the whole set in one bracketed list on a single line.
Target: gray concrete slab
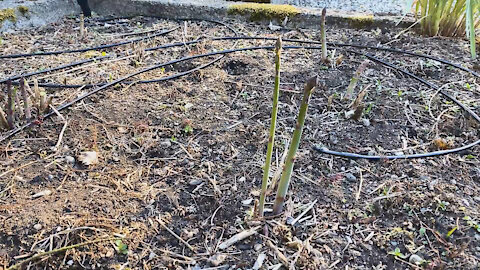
[(40, 12), (217, 10), (384, 7)]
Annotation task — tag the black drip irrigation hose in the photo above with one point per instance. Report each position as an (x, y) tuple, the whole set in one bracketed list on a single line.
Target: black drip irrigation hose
[(101, 47), (317, 148), (177, 44), (48, 85), (74, 64), (104, 86), (324, 150)]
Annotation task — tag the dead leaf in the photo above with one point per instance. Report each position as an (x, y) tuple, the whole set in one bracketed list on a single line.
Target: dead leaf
[(88, 158), (443, 144)]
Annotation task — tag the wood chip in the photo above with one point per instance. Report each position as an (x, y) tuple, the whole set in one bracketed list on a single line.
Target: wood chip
[(42, 193), (239, 237)]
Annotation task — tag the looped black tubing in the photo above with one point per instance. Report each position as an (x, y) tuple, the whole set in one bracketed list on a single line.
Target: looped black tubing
[(324, 150)]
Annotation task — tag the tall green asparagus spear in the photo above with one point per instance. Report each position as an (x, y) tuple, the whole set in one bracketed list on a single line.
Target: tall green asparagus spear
[(290, 160), (323, 35), (273, 123)]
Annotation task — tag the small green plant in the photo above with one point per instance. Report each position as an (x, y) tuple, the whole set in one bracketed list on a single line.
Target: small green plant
[(450, 233), (294, 144), (472, 223), (442, 205), (422, 231), (188, 129), (369, 108), (397, 253), (121, 247), (173, 138), (273, 123)]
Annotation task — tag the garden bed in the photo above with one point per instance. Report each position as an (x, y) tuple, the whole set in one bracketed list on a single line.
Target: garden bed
[(187, 154)]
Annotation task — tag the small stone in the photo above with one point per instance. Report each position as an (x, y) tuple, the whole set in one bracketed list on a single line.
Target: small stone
[(415, 259), (217, 259), (50, 177), (453, 182), (399, 153), (247, 201), (477, 198), (70, 159), (70, 262), (38, 226), (432, 184), (290, 220), (350, 177), (241, 179), (366, 122), (195, 182), (257, 247), (152, 255), (166, 143)]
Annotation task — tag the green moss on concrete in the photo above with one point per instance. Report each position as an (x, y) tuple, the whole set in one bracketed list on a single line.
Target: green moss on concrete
[(259, 12), (7, 14), (23, 10), (361, 21)]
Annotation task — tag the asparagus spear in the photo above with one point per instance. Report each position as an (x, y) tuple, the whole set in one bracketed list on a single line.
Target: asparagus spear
[(297, 134), (271, 138)]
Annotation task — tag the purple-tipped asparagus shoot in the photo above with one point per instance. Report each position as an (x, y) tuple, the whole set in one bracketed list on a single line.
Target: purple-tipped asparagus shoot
[(26, 105)]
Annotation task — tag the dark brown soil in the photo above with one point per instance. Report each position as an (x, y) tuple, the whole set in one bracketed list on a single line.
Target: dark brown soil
[(189, 152)]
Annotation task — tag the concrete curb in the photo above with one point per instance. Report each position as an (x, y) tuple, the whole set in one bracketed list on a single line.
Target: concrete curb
[(217, 10), (40, 13)]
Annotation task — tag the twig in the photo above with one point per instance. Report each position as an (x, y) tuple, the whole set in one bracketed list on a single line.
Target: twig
[(238, 237), (18, 168), (279, 254), (60, 136), (54, 251), (175, 235), (359, 186), (395, 194), (304, 212)]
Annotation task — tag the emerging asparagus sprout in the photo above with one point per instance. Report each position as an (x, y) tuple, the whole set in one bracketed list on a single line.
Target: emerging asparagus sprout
[(354, 80), (26, 104), (323, 36), (292, 151), (11, 95), (273, 123)]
